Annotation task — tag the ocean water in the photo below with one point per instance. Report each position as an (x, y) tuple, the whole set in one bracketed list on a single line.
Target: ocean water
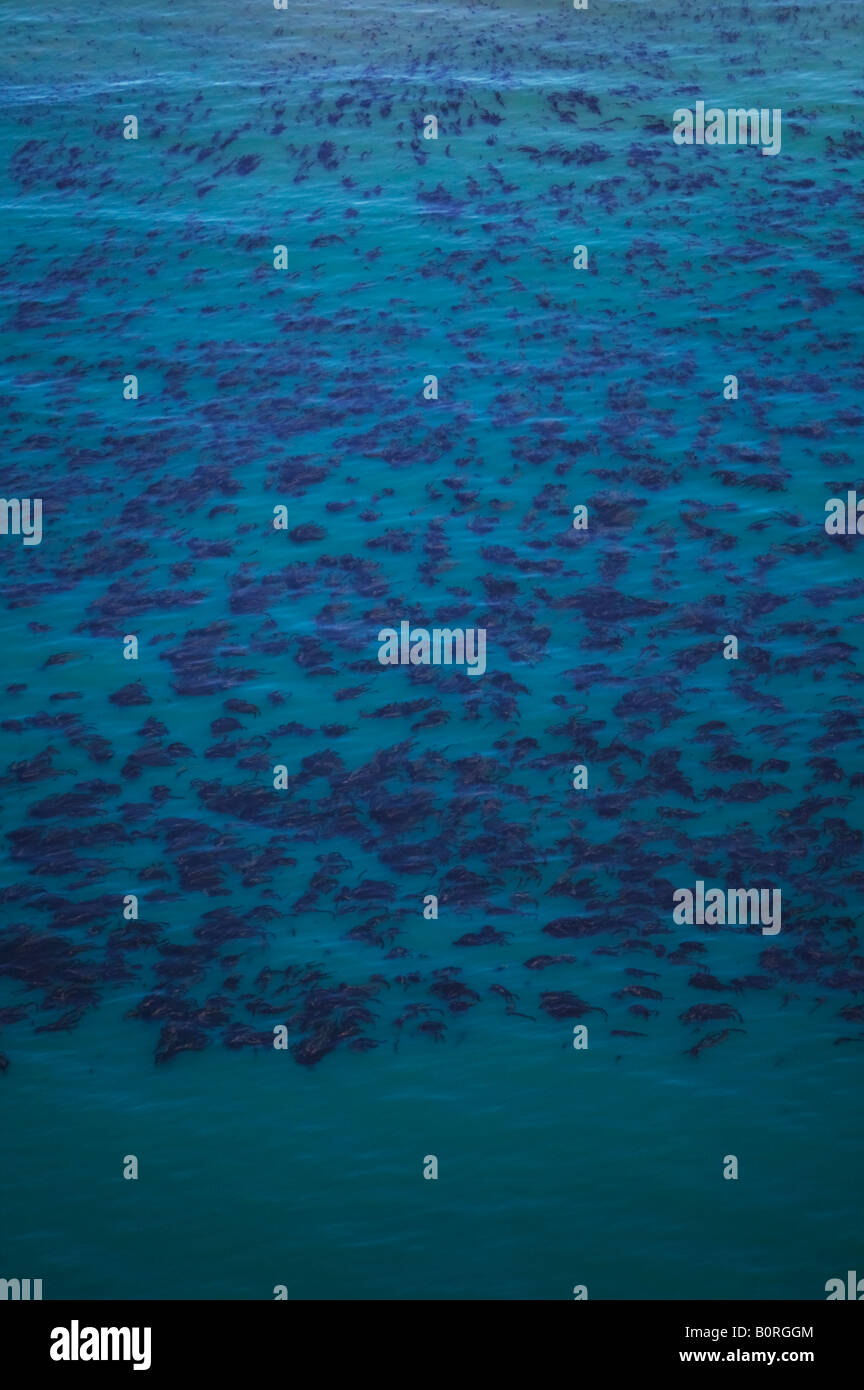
[(303, 387)]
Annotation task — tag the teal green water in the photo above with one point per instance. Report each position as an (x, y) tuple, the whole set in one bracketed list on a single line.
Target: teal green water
[(557, 1167)]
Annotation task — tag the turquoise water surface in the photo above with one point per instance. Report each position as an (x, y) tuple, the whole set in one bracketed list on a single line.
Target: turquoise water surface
[(407, 257)]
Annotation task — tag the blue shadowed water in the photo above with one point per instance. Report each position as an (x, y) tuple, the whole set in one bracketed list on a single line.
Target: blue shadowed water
[(304, 387)]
